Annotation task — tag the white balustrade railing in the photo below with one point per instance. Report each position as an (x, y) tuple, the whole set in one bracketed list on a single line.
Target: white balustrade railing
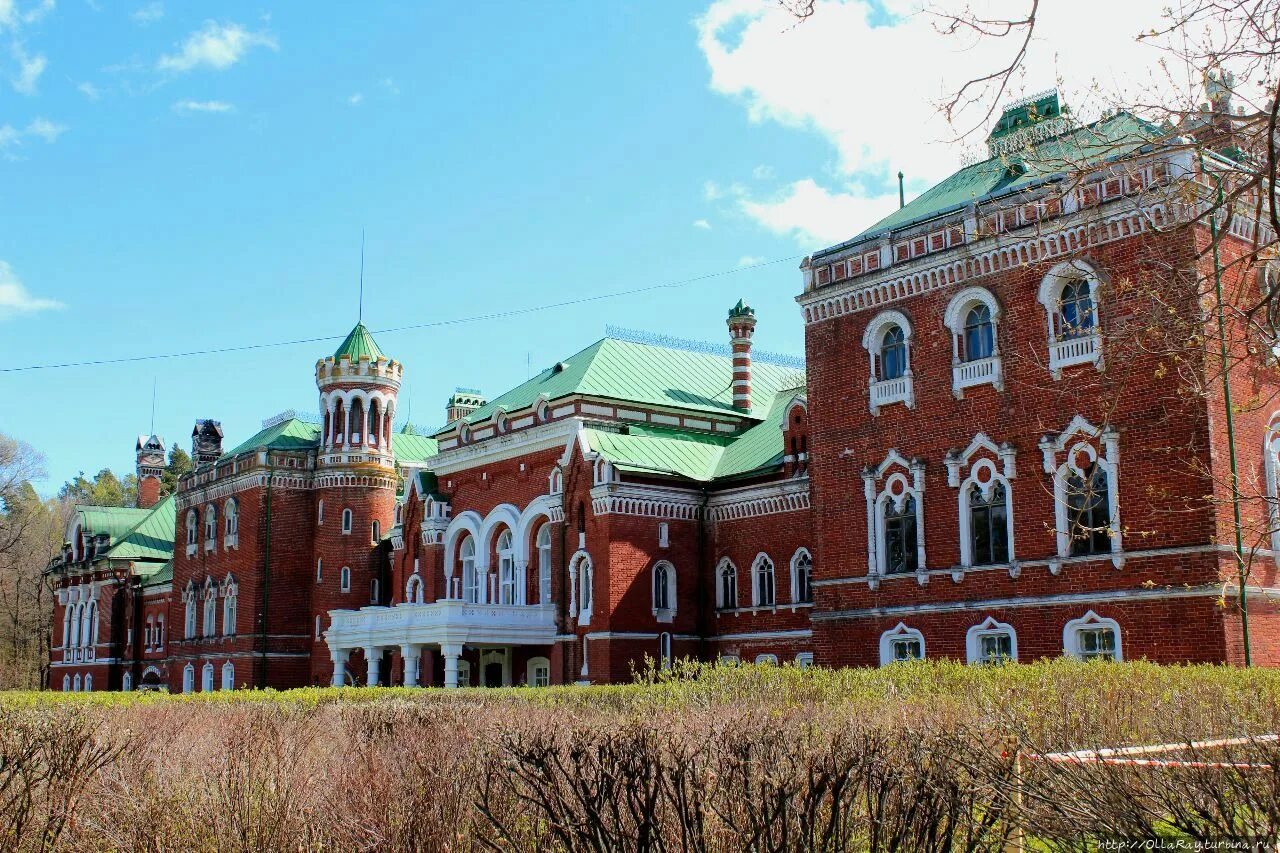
[(1067, 352), (982, 371), (447, 620), (887, 391)]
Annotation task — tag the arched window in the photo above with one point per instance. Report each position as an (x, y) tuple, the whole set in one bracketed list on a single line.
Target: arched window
[(900, 535), (228, 676), (726, 585), (901, 644), (89, 625), (1086, 504), (1069, 294), (802, 577), (66, 626), (77, 683), (126, 682), (230, 592), (193, 536), (767, 659), (991, 642), (887, 340), (539, 672), (763, 589), (1092, 638), (376, 532), (894, 514), (346, 521), (374, 590), (344, 579), (188, 678), (210, 527), (210, 610), (77, 613), (66, 684), (544, 564), (399, 513), (320, 512), (357, 419), (664, 591), (586, 591), (507, 593), (374, 417), (232, 520), (147, 638), (972, 316), (1075, 310), (988, 524), (472, 583), (206, 678), (189, 623), (979, 334), (1089, 513), (413, 590)]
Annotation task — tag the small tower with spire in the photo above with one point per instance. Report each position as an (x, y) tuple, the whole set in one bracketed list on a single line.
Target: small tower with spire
[(150, 452), (358, 387), (742, 324)]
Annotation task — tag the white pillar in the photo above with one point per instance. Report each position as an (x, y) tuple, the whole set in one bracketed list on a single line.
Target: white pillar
[(451, 653), (411, 655), (373, 656), (339, 657)]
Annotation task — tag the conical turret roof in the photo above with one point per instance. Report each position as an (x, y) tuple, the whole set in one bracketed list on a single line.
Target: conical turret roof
[(359, 343)]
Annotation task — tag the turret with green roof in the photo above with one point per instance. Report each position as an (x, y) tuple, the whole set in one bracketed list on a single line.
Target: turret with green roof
[(358, 344)]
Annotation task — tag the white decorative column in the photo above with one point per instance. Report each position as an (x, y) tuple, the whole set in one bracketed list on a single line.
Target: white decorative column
[(451, 652), (373, 656), (412, 657), (339, 657)]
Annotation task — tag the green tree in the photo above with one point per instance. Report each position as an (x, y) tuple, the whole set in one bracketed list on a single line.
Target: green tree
[(105, 489), (179, 464)]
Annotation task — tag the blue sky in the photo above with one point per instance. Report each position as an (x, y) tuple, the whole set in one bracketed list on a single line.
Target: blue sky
[(191, 176)]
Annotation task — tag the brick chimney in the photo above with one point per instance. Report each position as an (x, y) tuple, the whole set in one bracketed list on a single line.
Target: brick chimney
[(150, 450), (206, 442), (742, 323)]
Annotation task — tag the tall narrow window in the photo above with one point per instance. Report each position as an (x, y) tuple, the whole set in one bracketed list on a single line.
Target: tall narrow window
[(319, 570), (989, 525), (893, 354), (507, 592), (1075, 310), (374, 590), (727, 585), (979, 336), (376, 532), (189, 598), (544, 564), (319, 512), (193, 537), (232, 521), (210, 525), (229, 608), (160, 632), (900, 536), (346, 521), (1088, 508), (763, 594), (228, 676), (472, 583), (802, 577), (344, 579), (661, 596), (210, 610)]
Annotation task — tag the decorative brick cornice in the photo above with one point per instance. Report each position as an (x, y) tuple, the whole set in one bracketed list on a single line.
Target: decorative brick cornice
[(752, 501), (289, 479), (648, 501)]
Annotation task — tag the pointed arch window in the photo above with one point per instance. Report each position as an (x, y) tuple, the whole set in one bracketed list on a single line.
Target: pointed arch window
[(230, 594), (188, 679), (1086, 502), (901, 644), (763, 587), (206, 678), (991, 642), (895, 514), (1089, 514), (346, 522), (1092, 637), (210, 627), (228, 676), (727, 585), (664, 591), (802, 577), (189, 623)]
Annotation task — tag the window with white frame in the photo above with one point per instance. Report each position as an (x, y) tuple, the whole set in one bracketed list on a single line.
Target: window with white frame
[(344, 579), (464, 672), (982, 474), (346, 522), (726, 585), (802, 577), (375, 532), (189, 598), (414, 589), (508, 590), (206, 678), (895, 513), (538, 673), (1069, 294), (188, 679), (210, 627), (193, 535), (887, 340), (318, 624), (804, 660), (901, 644), (1271, 471), (972, 316), (319, 569), (763, 587), (991, 642), (319, 512), (543, 543), (66, 684), (231, 523), (210, 527), (1092, 637), (76, 683), (228, 676), (88, 682), (1086, 500), (664, 591), (150, 633), (89, 630), (585, 591), (230, 594), (66, 627), (728, 660), (472, 582), (126, 682)]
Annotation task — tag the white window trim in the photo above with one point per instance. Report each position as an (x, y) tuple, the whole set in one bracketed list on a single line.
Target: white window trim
[(533, 666), (726, 565), (756, 565), (902, 389), (348, 521), (987, 627), (1073, 351), (344, 579), (795, 575), (878, 497), (1271, 466), (544, 562), (193, 532), (1087, 434), (898, 632), (665, 614), (1071, 633), (580, 592), (804, 660), (231, 524), (507, 563), (188, 678), (228, 676), (1007, 470), (414, 589), (983, 371), (206, 678)]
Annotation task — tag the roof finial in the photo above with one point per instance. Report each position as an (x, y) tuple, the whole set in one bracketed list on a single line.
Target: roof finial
[(360, 310)]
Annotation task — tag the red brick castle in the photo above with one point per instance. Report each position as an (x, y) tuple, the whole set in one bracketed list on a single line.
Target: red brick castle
[(989, 457)]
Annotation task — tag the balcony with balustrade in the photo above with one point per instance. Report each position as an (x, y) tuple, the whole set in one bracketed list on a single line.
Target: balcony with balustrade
[(1071, 351), (980, 371), (885, 392)]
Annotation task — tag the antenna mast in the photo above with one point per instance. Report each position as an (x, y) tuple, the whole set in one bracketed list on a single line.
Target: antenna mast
[(360, 310), (153, 405)]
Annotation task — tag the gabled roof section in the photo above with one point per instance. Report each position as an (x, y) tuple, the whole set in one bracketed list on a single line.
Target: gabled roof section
[(115, 521), (761, 447), (163, 574), (151, 538), (410, 447), (645, 374), (359, 342), (1110, 138), (649, 450), (291, 434)]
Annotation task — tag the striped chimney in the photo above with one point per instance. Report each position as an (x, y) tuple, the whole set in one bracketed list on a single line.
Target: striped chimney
[(741, 322)]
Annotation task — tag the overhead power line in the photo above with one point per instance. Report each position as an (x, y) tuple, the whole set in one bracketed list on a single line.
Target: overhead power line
[(477, 318)]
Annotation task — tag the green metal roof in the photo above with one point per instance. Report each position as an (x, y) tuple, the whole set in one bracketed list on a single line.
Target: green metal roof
[(650, 450), (1110, 138), (151, 538), (163, 574), (648, 374), (293, 434), (359, 343), (409, 447), (760, 447), (115, 521)]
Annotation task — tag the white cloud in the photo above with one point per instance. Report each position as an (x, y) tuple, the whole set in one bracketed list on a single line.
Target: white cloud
[(148, 14), (763, 173), (89, 90), (9, 137), (871, 90), (29, 69), (702, 223), (749, 261), (355, 99), (189, 106), (14, 298), (39, 127), (45, 129), (216, 46)]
